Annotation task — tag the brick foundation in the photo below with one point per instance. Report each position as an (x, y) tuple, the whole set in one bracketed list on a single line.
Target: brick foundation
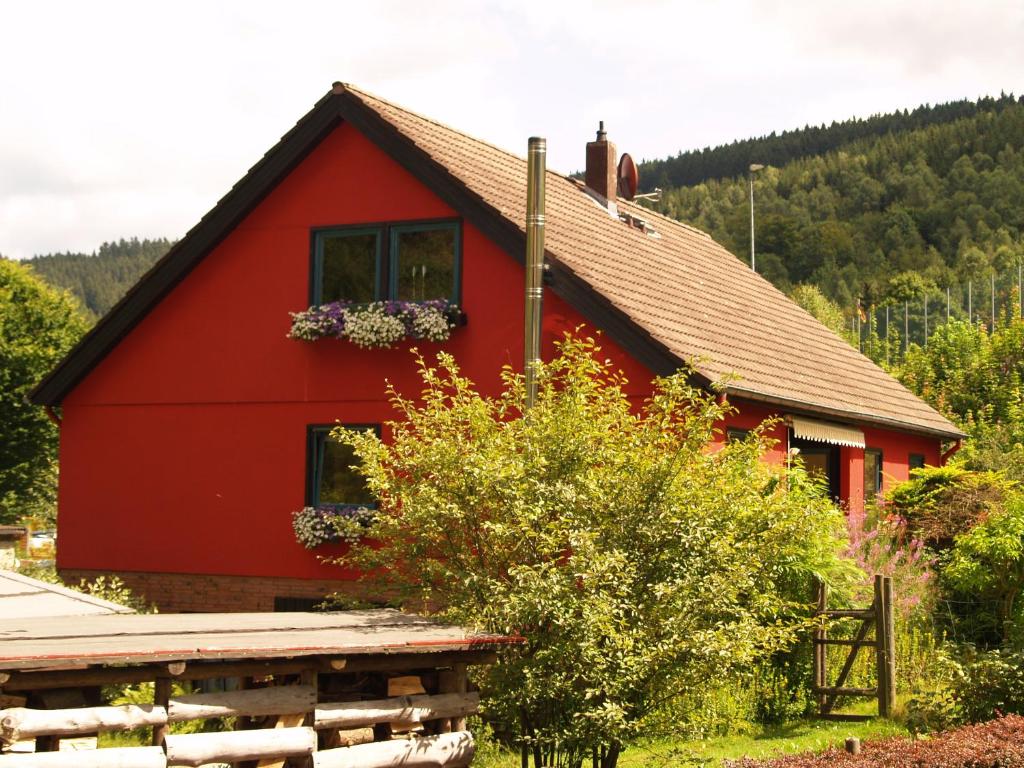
[(205, 593)]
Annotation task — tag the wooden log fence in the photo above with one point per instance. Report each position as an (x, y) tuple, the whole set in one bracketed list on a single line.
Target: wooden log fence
[(285, 721), (879, 616)]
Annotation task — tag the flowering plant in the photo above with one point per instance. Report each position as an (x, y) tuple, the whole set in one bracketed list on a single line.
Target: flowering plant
[(377, 324), (314, 526)]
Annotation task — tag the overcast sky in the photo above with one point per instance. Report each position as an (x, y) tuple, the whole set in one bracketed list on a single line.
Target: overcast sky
[(122, 119)]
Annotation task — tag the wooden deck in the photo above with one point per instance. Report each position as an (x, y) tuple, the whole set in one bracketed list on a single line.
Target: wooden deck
[(41, 643)]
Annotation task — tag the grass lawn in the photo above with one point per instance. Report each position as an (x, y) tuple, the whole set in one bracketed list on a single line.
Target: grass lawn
[(799, 736)]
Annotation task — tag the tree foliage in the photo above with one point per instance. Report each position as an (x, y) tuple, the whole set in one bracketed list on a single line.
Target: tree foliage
[(987, 563), (858, 211), (38, 325), (975, 376), (729, 160), (101, 278), (636, 563)]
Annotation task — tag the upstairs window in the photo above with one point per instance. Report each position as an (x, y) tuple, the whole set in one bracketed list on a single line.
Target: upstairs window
[(331, 480), (403, 262), (347, 266)]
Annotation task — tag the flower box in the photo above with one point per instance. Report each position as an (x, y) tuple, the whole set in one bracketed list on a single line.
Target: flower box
[(378, 324), (315, 526)]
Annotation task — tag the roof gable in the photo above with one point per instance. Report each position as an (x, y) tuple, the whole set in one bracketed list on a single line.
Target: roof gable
[(667, 299)]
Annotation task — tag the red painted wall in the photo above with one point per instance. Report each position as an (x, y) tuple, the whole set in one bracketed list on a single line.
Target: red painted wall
[(185, 449)]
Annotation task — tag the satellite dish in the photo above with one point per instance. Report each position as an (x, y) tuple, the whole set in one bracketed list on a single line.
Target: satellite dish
[(629, 177)]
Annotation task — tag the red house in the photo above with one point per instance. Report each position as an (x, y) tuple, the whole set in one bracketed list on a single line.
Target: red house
[(192, 426)]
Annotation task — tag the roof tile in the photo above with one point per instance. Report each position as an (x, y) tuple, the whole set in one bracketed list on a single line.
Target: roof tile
[(684, 289)]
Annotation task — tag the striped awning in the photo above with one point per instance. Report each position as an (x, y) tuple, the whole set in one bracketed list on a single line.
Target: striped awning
[(827, 432)]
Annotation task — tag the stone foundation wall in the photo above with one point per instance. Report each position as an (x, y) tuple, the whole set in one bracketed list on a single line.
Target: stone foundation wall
[(204, 593)]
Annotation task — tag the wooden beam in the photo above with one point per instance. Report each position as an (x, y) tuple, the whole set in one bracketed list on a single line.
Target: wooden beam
[(22, 723), (840, 641), (820, 634), (454, 680), (118, 757), (414, 661), (283, 721), (400, 710), (234, 746), (853, 613), (446, 750), (889, 642), (75, 678), (881, 663), (254, 702), (161, 696), (836, 691)]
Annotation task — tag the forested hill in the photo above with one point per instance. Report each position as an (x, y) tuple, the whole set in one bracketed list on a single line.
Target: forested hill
[(892, 218), (101, 278), (728, 160)]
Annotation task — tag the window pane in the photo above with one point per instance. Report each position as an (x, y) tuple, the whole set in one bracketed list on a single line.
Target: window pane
[(348, 267), (425, 264), (917, 461), (339, 483)]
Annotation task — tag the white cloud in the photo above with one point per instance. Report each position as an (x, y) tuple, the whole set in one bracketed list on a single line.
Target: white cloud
[(128, 118)]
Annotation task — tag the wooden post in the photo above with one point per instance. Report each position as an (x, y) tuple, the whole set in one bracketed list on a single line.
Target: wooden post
[(881, 647), (890, 644), (820, 649), (454, 680), (161, 696)]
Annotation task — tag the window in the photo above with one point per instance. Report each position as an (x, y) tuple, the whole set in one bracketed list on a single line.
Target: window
[(872, 473), (405, 262), (821, 460), (330, 478), (736, 435), (916, 461)]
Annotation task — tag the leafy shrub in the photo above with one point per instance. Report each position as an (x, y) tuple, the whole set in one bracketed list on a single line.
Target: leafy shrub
[(107, 587), (636, 563), (939, 503), (991, 683), (968, 686), (986, 564), (996, 744)]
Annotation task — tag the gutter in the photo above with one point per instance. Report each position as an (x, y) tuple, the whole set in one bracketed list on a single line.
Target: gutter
[(52, 415), (947, 455)]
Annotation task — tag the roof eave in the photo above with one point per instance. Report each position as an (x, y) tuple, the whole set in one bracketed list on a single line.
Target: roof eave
[(847, 416)]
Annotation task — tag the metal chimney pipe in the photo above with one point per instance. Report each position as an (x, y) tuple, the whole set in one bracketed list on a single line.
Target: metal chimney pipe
[(536, 157)]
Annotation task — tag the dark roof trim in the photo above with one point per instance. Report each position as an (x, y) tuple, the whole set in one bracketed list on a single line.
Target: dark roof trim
[(847, 417), (337, 106)]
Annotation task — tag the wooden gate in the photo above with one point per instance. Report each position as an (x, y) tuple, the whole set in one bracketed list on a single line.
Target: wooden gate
[(877, 616)]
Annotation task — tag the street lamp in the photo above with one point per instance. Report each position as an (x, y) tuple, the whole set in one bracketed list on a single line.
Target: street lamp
[(754, 168)]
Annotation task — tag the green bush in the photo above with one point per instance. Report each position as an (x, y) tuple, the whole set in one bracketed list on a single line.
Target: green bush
[(636, 563)]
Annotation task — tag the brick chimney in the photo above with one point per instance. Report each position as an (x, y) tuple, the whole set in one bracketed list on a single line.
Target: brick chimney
[(602, 173)]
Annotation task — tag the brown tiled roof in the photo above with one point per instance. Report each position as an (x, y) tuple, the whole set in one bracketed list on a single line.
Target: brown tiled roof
[(678, 297), (682, 288)]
